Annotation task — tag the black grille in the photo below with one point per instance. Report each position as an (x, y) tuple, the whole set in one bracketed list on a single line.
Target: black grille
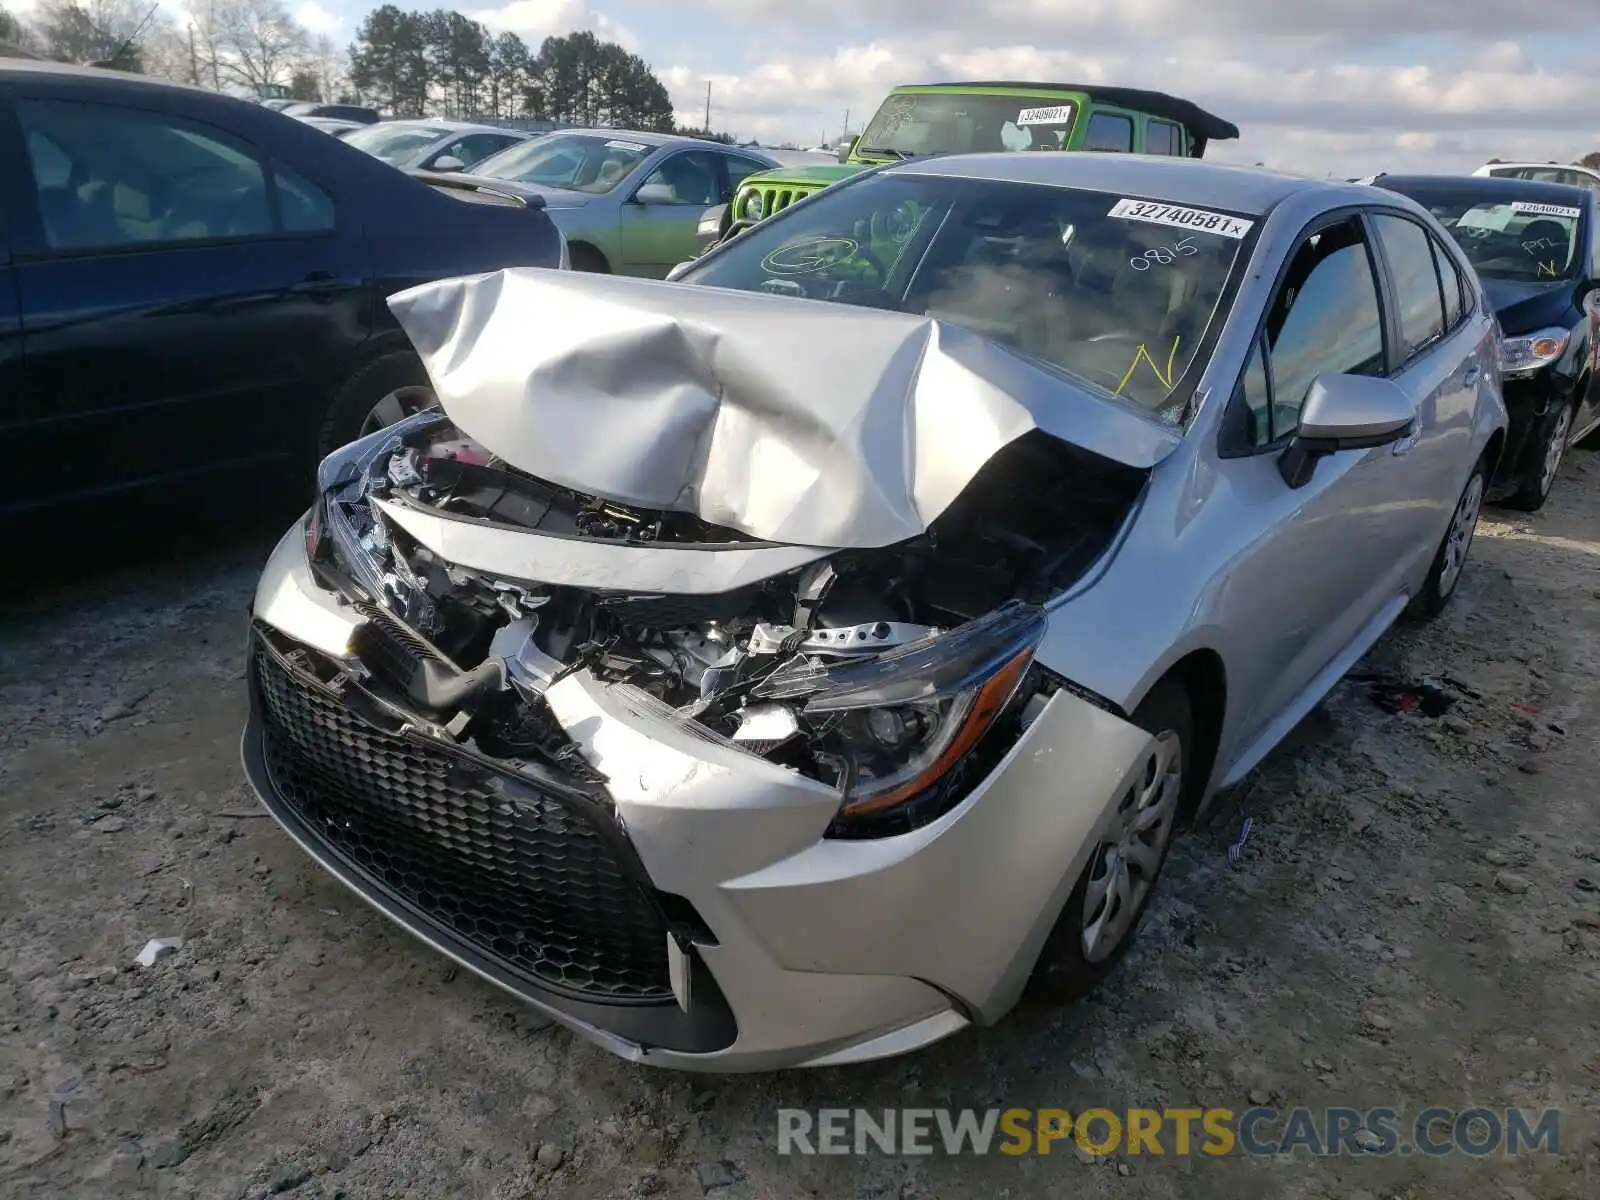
[(529, 882)]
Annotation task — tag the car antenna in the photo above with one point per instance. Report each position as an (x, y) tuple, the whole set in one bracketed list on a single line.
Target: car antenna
[(127, 42)]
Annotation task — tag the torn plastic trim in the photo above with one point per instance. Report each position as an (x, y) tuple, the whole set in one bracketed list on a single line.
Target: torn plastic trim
[(532, 557)]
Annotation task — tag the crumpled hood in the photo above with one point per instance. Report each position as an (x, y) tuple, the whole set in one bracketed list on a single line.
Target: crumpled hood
[(793, 421)]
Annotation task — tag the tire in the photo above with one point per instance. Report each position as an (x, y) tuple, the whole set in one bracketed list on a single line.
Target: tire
[(586, 258), (1444, 573), (1071, 964), (1540, 467), (390, 387)]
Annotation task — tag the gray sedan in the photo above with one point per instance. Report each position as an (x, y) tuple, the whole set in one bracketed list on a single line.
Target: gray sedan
[(789, 664), (433, 145), (629, 203)]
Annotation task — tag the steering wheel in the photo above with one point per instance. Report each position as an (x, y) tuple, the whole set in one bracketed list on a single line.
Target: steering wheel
[(818, 254)]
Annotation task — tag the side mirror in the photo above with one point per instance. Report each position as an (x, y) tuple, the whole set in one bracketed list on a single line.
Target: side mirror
[(677, 272), (709, 231), (655, 193), (1344, 412), (448, 162), (1587, 295), (846, 149)]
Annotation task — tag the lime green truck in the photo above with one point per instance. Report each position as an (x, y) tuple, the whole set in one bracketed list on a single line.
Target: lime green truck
[(968, 118)]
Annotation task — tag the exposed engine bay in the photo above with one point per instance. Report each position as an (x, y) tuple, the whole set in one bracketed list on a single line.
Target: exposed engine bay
[(859, 670)]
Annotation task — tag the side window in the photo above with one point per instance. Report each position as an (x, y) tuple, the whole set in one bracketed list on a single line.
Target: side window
[(303, 207), (134, 177), (1451, 283), (51, 167), (693, 177), (739, 169), (476, 147), (1416, 282), (1256, 398), (1110, 132), (1325, 317), (1163, 137)]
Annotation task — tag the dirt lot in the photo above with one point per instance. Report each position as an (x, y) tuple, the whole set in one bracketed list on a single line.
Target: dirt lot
[(1414, 920)]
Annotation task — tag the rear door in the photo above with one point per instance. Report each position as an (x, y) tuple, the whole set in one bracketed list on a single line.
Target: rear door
[(1324, 572), (181, 295), (1435, 360)]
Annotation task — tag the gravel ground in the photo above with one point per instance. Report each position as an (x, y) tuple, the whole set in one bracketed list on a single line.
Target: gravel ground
[(1414, 920)]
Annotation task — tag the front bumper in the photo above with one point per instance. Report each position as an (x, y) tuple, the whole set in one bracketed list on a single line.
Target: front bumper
[(782, 947)]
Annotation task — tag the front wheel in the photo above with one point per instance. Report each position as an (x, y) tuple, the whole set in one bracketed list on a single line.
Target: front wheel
[(1451, 557), (387, 389), (1101, 916), (1538, 473)]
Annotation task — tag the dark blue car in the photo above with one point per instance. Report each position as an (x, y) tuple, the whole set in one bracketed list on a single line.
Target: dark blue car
[(192, 289), (1534, 246)]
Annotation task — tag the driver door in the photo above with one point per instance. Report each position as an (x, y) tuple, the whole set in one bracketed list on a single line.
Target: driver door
[(661, 217), (172, 323)]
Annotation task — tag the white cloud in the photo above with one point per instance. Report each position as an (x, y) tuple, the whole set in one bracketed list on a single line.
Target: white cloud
[(316, 18), (1315, 113), (1154, 24), (535, 20)]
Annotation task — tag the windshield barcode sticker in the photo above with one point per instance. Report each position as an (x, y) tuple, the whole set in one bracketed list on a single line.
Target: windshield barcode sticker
[(1198, 219), (1544, 210), (1060, 114), (627, 146)]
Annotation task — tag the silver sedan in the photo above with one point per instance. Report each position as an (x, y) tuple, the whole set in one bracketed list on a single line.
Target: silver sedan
[(430, 145), (791, 664), (629, 203)]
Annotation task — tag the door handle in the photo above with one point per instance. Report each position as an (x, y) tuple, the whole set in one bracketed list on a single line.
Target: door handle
[(1410, 439), (319, 285), (1470, 376)]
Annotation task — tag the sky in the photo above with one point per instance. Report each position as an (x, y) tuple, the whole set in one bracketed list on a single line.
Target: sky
[(1347, 87)]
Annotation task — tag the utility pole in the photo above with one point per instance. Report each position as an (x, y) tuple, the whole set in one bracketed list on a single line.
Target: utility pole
[(845, 132), (708, 106)]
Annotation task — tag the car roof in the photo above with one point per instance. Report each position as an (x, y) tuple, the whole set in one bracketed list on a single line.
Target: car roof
[(1543, 165), (445, 126), (632, 135), (1487, 186), (1159, 104), (24, 68), (1180, 180)]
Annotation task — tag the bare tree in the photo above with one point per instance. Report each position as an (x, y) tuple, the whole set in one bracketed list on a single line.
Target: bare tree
[(205, 44), (82, 31), (258, 42)]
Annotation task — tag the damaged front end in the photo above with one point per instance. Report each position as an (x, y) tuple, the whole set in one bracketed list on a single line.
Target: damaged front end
[(711, 799), (877, 673)]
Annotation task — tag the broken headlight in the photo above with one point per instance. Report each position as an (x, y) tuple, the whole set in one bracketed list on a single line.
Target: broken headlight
[(897, 726)]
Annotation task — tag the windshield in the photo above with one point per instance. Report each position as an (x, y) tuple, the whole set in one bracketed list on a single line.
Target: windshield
[(1117, 292), (1517, 240), (394, 143), (945, 123), (573, 162)]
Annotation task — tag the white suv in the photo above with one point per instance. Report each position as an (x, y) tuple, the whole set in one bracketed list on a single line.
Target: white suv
[(1571, 175)]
